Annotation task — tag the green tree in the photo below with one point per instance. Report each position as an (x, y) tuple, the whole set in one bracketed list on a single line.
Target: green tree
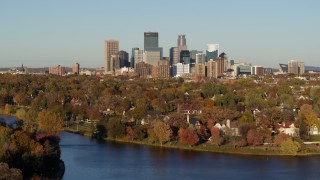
[(290, 147)]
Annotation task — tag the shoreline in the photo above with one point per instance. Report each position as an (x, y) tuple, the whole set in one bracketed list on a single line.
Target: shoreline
[(224, 149)]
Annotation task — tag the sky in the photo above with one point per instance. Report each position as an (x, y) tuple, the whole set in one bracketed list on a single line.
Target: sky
[(41, 33)]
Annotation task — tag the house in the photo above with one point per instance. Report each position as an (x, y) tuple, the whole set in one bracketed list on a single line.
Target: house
[(228, 128), (288, 128), (314, 129), (195, 123)]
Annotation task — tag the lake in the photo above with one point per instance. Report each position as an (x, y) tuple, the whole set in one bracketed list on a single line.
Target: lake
[(89, 159)]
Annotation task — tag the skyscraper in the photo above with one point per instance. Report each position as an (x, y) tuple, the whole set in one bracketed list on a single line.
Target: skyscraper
[(111, 48), (182, 42), (174, 55), (212, 51), (151, 47), (124, 59), (185, 57), (132, 60), (200, 58), (212, 69), (151, 40)]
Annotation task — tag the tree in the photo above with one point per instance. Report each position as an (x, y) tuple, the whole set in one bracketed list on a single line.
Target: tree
[(290, 147), (216, 136), (131, 134), (254, 137), (162, 131), (246, 117), (115, 129), (49, 121), (7, 173), (281, 137), (307, 116), (21, 99), (7, 109), (188, 136)]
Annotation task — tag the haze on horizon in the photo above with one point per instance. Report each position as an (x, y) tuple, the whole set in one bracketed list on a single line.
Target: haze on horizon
[(46, 33)]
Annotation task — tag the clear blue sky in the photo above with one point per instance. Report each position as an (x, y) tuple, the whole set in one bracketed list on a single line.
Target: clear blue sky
[(39, 33)]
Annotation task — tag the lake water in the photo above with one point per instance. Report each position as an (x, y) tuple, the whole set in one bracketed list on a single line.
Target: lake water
[(88, 159)]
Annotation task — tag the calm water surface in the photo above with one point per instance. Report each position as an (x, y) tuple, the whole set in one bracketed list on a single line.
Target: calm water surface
[(88, 159)]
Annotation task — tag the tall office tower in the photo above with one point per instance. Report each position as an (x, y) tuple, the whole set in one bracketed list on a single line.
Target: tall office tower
[(257, 70), (151, 44), (212, 51), (193, 54), (151, 57), (226, 64), (132, 60), (124, 59), (200, 58), (295, 67), (57, 70), (212, 69), (138, 56), (111, 48), (182, 42), (114, 63), (76, 68), (174, 55), (151, 40), (185, 57)]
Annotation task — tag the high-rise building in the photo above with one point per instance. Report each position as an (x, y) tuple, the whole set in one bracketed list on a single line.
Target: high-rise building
[(151, 40), (193, 54), (174, 55), (212, 51), (182, 42), (296, 67), (185, 57), (114, 63), (152, 57), (220, 66), (124, 59), (151, 48), (200, 58), (111, 48), (57, 70), (163, 69), (138, 56), (76, 68), (226, 64), (257, 70), (200, 71), (132, 60), (212, 69)]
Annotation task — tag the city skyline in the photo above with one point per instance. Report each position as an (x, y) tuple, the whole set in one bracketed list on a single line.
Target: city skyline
[(42, 34)]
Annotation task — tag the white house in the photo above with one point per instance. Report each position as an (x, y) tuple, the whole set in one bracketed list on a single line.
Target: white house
[(289, 129)]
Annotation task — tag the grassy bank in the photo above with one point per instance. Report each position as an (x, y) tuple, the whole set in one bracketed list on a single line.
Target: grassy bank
[(207, 147)]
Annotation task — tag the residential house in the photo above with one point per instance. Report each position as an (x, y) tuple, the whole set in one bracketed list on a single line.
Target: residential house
[(288, 128)]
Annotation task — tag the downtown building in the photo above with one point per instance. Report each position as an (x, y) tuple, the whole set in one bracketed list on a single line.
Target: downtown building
[(182, 42), (212, 51), (111, 50), (152, 51)]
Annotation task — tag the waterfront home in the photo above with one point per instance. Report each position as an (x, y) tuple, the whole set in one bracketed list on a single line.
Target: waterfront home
[(288, 128)]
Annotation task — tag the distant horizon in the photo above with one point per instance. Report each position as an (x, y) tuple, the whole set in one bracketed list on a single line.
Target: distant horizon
[(266, 33)]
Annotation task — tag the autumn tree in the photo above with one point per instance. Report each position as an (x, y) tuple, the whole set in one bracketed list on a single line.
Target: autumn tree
[(279, 138), (308, 117), (21, 99), (162, 131), (216, 137), (131, 134), (188, 136), (254, 137), (246, 117), (49, 121), (115, 129)]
